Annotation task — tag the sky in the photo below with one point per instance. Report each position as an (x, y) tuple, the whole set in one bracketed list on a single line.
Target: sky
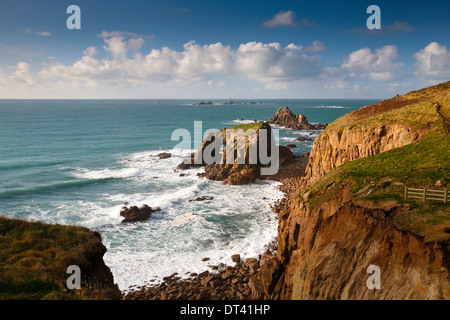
[(197, 49)]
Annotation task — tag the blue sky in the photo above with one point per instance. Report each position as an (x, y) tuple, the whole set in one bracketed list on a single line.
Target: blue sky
[(216, 49)]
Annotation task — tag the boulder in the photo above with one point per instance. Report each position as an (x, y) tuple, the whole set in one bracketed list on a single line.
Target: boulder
[(164, 155), (236, 258), (134, 213), (203, 198), (303, 139)]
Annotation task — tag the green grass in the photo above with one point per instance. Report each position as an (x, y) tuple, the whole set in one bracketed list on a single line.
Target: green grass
[(255, 126), (34, 258)]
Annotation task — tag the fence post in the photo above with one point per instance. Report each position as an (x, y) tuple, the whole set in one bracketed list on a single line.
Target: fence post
[(424, 195), (445, 195), (406, 193)]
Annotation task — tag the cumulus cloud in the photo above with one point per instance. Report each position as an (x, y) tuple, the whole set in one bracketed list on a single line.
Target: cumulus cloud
[(379, 65), (316, 46), (433, 62), (21, 75), (282, 19), (271, 64)]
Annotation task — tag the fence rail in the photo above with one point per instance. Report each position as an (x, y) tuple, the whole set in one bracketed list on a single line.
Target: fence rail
[(426, 194)]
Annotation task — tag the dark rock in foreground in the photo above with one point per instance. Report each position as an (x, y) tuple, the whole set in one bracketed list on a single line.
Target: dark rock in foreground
[(164, 155), (137, 214), (303, 139), (203, 198), (286, 118)]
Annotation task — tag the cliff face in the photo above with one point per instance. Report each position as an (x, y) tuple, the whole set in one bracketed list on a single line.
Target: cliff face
[(333, 148), (328, 236), (324, 253)]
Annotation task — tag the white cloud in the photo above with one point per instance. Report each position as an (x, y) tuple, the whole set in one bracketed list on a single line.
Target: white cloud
[(379, 65), (433, 62), (401, 26), (124, 34), (275, 65), (90, 52), (271, 64), (282, 19), (37, 32), (317, 46), (21, 75)]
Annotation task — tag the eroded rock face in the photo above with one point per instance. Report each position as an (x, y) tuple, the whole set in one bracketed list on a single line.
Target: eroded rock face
[(137, 214), (237, 172), (286, 118), (333, 148)]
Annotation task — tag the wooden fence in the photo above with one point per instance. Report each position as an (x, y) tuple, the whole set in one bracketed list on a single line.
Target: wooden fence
[(426, 194)]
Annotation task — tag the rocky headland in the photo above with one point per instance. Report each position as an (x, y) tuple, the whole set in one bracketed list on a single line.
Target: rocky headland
[(345, 212), (34, 258)]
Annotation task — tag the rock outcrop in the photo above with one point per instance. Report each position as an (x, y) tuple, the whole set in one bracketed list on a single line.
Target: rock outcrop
[(34, 258), (238, 172), (326, 246), (286, 118), (324, 253), (135, 213)]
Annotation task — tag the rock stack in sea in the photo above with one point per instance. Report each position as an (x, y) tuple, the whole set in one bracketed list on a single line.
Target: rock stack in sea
[(286, 118), (235, 173)]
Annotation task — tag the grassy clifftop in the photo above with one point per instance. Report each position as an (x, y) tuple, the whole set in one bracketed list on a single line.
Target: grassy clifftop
[(415, 109), (34, 258), (383, 177)]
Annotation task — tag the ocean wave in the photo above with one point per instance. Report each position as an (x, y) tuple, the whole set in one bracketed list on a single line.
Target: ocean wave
[(30, 164), (329, 107), (47, 189), (124, 173), (240, 121)]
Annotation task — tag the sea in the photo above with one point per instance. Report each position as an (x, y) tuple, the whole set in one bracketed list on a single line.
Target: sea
[(78, 162)]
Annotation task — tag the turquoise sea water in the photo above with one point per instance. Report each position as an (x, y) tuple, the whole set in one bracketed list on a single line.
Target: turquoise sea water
[(78, 161)]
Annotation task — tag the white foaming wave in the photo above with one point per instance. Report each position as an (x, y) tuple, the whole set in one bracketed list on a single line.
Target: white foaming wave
[(240, 121), (185, 218), (329, 107), (190, 231), (100, 216), (124, 173)]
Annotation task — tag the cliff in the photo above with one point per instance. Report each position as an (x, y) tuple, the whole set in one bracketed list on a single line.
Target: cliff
[(348, 212), (34, 258)]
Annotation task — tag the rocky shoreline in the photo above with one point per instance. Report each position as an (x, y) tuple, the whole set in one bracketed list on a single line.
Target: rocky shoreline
[(245, 280), (220, 283), (240, 281)]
